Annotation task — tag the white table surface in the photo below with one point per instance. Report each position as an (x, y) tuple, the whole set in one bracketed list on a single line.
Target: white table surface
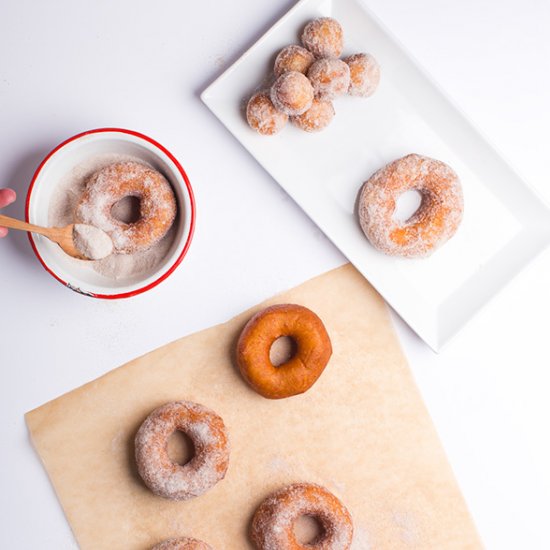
[(68, 65)]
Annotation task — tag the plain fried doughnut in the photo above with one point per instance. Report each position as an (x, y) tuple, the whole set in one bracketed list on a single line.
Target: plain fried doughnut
[(206, 430), (302, 370)]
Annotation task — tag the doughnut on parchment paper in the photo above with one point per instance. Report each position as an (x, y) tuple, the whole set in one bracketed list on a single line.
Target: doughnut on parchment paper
[(362, 431)]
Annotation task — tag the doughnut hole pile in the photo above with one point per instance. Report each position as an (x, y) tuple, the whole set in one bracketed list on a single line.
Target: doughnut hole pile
[(309, 78)]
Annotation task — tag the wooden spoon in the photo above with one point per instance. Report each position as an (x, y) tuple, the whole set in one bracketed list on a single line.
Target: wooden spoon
[(63, 236)]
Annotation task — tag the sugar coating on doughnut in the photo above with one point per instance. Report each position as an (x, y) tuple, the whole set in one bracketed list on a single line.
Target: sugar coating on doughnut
[(184, 543), (262, 115), (91, 242), (364, 74), (323, 37), (293, 58), (434, 223), (273, 522), (292, 93), (316, 118), (209, 464), (330, 78), (106, 187)]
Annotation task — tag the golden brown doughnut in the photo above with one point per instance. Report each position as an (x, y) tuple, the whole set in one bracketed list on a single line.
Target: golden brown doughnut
[(206, 430), (437, 217), (302, 370), (273, 521), (128, 179), (184, 543)]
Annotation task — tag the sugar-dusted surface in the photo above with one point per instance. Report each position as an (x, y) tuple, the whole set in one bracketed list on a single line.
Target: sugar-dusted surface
[(129, 179), (182, 544), (62, 208), (435, 221), (361, 431), (210, 440), (293, 58), (292, 93), (274, 520), (330, 78), (262, 115), (364, 74), (316, 118), (92, 242), (323, 37)]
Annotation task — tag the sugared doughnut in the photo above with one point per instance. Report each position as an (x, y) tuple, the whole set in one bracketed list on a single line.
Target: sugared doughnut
[(293, 58), (302, 370), (323, 37), (273, 521), (128, 179), (364, 74), (434, 222), (330, 78), (262, 115), (292, 93), (316, 118), (206, 430), (184, 543)]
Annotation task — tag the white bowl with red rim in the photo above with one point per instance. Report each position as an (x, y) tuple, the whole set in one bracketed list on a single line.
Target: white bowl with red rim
[(74, 274)]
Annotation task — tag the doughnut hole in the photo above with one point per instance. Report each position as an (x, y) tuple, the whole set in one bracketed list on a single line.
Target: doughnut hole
[(364, 74), (407, 205), (293, 58), (282, 350), (316, 118), (324, 37), (262, 116), (330, 78), (292, 93), (127, 210), (307, 529), (180, 448)]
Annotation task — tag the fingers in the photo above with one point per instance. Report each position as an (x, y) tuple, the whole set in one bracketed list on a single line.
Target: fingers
[(7, 196)]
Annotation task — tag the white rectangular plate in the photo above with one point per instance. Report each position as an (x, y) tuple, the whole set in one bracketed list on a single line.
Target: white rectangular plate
[(505, 224)]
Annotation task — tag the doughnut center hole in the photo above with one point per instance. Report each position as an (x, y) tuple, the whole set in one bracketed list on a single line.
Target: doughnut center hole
[(406, 205), (282, 350), (307, 530), (180, 448), (127, 210)]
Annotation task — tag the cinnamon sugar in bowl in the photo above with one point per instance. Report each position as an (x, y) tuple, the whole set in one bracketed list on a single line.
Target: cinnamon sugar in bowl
[(56, 188)]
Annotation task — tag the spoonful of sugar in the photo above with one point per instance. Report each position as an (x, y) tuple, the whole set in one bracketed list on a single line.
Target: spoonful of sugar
[(81, 241)]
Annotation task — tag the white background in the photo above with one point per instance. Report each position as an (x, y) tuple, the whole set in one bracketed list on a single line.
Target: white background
[(67, 66)]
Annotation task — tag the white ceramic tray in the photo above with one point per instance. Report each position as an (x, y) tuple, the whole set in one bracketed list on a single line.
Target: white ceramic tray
[(505, 224)]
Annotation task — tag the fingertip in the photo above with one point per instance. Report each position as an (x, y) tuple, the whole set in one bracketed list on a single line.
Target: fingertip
[(7, 196), (3, 232)]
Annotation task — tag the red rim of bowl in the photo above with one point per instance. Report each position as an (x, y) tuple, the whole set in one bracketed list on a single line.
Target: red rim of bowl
[(191, 199)]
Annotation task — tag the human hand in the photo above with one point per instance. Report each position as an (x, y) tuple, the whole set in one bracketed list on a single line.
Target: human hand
[(7, 196)]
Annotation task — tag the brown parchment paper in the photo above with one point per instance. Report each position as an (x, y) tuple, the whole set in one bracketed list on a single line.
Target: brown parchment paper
[(362, 431)]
